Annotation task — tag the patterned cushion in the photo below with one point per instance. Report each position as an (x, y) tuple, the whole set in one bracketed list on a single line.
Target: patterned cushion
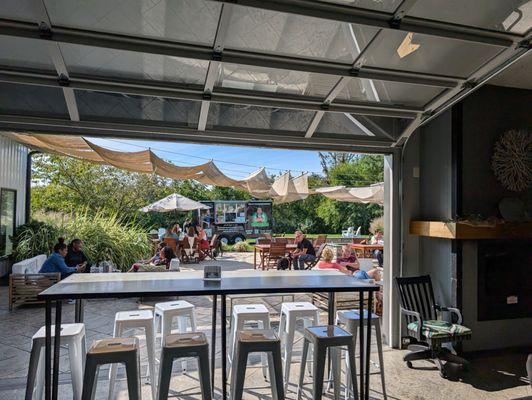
[(433, 329)]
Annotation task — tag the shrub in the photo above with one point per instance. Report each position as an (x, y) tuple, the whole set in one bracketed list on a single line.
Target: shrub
[(34, 238), (241, 247), (106, 237)]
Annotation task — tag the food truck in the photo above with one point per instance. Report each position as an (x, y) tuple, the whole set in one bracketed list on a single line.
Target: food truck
[(236, 220)]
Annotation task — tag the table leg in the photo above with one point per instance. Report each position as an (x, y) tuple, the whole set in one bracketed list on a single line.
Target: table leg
[(213, 339), (79, 308), (48, 351), (361, 343), (368, 345), (330, 321), (224, 347), (57, 343), (254, 258)]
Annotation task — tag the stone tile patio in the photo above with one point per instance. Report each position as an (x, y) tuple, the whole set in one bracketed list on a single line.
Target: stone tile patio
[(494, 377)]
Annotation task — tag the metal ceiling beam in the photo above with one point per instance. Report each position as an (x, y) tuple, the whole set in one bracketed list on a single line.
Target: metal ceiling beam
[(137, 130), (367, 17), (491, 69), (214, 66), (54, 51), (200, 52), (196, 93)]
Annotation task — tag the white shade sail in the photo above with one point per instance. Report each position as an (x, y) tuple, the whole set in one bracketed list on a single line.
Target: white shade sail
[(175, 202)]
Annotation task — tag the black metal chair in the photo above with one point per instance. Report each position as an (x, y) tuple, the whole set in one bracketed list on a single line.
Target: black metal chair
[(430, 333)]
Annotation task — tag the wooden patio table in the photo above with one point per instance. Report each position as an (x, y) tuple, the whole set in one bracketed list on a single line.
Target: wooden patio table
[(366, 250), (160, 284), (263, 249)]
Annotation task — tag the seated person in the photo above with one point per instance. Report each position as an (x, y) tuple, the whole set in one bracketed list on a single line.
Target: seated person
[(327, 262), (162, 263), (348, 259), (304, 252), (75, 255), (373, 273), (176, 230), (169, 234), (378, 239), (56, 261)]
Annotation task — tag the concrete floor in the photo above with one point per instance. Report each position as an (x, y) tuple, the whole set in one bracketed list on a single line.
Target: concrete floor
[(494, 377)]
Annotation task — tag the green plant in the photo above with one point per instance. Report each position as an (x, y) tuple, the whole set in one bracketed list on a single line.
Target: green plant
[(107, 238), (241, 247), (34, 238)]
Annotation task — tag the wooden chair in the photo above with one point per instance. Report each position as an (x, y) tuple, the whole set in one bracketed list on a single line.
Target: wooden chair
[(264, 241), (283, 240), (172, 243), (214, 249), (277, 251), (189, 253), (312, 264), (421, 313)]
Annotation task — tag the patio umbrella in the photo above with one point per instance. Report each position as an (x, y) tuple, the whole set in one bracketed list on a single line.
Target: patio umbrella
[(175, 202)]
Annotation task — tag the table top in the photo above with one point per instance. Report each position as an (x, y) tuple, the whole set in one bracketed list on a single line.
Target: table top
[(267, 246), (146, 284), (366, 246)]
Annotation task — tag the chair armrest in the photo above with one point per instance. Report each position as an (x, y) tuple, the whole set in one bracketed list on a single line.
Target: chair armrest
[(417, 316), (452, 310)]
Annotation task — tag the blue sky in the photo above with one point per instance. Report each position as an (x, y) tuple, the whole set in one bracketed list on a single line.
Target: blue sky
[(275, 160)]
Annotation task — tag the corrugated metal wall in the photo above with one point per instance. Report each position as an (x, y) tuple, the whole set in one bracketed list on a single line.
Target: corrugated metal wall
[(13, 159)]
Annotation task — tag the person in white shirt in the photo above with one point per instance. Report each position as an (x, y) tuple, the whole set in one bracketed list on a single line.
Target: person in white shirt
[(378, 239)]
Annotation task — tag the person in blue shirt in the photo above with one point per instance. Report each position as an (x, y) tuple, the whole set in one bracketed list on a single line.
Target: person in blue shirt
[(56, 261)]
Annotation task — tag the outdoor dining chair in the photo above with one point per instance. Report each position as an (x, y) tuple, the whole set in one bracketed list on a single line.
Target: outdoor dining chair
[(276, 252)]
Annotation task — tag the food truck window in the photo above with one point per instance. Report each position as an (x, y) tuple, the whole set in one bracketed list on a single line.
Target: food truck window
[(231, 212)]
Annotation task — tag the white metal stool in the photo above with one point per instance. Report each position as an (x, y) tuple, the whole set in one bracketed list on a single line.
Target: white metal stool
[(165, 314), (72, 335), (350, 319), (243, 313), (135, 319), (290, 313)]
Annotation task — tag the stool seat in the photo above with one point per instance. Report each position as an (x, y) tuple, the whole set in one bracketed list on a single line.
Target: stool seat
[(257, 335), (185, 339), (354, 314), (243, 309), (326, 332), (67, 330), (136, 315), (114, 345), (173, 306)]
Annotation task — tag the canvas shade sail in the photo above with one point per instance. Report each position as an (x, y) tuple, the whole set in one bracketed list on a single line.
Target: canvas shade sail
[(284, 188), (367, 194), (175, 202)]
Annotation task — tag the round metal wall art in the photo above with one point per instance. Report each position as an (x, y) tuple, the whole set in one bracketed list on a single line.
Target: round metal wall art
[(512, 159)]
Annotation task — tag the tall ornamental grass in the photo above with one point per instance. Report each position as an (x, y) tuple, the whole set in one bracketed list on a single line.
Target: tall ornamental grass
[(105, 238)]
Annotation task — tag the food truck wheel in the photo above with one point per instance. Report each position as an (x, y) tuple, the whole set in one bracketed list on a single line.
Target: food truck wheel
[(238, 238), (224, 240)]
